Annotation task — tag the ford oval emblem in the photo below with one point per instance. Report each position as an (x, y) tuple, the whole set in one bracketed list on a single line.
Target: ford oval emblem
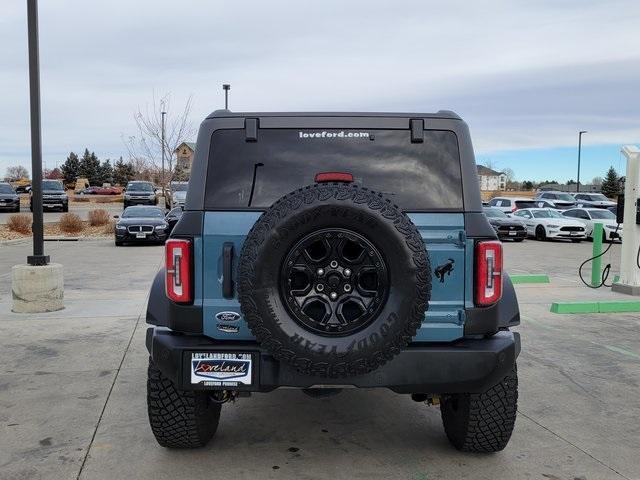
[(228, 316)]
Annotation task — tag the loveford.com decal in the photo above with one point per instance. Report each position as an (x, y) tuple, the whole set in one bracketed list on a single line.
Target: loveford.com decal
[(221, 369), (340, 134)]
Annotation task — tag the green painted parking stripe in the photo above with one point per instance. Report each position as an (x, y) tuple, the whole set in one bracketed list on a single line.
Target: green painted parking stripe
[(574, 307), (613, 306), (529, 279)]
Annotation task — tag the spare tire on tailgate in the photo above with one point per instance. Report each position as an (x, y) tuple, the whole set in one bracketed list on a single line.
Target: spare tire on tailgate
[(334, 279)]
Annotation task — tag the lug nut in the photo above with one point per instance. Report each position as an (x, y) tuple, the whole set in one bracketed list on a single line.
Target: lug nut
[(347, 272), (333, 295), (334, 264), (320, 287), (347, 287), (320, 272)]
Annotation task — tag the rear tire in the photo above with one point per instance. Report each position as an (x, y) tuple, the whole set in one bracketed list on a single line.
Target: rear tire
[(65, 208), (179, 418), (482, 422), (541, 233)]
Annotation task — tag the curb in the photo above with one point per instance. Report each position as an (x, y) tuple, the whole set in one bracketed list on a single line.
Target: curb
[(611, 306), (15, 241)]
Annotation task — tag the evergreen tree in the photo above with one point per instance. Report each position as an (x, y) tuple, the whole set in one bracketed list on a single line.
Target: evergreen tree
[(611, 184), (105, 173), (89, 166), (71, 168), (527, 185), (123, 172)]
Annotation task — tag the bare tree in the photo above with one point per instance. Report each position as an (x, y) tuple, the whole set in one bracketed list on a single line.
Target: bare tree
[(511, 176), (145, 149), (15, 173)]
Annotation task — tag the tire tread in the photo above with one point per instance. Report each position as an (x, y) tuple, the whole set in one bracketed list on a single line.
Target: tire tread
[(485, 421), (179, 418)]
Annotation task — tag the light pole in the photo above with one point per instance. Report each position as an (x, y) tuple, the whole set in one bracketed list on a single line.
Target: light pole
[(579, 150), (38, 257), (38, 286), (226, 87), (162, 135)]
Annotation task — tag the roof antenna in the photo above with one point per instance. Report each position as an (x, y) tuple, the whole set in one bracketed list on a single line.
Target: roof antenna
[(226, 87)]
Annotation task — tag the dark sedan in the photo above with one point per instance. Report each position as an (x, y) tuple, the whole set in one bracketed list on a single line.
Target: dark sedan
[(506, 227), (141, 224), (9, 199)]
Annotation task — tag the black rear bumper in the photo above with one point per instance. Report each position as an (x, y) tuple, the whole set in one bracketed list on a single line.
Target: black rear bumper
[(467, 365)]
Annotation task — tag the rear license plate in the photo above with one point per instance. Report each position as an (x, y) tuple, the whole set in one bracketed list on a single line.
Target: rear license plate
[(573, 234), (141, 235), (218, 369), (513, 233)]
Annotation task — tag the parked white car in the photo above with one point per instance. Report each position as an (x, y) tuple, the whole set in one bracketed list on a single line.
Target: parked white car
[(544, 223), (511, 204), (590, 216)]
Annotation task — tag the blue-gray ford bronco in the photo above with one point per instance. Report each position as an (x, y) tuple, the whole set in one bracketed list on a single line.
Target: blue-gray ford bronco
[(324, 251)]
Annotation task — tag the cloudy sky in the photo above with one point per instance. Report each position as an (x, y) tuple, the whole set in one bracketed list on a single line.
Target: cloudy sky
[(525, 75)]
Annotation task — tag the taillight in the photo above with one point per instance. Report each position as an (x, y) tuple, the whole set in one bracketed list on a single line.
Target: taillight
[(488, 272), (178, 270), (333, 177)]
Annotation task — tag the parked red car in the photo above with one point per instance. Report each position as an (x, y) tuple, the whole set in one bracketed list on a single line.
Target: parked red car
[(100, 191)]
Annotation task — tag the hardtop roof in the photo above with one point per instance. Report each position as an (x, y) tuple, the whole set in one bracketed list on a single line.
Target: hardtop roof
[(445, 114)]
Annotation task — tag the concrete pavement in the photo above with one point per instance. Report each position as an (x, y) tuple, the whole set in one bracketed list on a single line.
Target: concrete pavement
[(72, 392)]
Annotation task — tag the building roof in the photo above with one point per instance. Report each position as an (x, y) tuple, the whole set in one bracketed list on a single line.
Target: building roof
[(191, 145), (482, 170)]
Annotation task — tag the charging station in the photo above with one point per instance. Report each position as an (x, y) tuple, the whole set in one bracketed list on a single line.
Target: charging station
[(629, 281)]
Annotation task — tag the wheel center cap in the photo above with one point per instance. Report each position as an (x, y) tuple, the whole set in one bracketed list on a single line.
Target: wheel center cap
[(333, 280)]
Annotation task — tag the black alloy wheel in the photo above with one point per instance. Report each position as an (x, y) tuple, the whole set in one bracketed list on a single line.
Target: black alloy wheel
[(334, 282)]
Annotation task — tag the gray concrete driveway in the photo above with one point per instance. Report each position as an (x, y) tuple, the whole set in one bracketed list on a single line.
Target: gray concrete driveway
[(72, 392)]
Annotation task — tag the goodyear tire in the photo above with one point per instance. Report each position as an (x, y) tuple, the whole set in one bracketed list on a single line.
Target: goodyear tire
[(482, 422), (179, 418), (315, 277)]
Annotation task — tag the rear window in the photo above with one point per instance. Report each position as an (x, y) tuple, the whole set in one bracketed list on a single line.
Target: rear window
[(525, 204), (416, 176)]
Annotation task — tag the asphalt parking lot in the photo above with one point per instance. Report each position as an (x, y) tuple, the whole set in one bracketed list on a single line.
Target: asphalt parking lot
[(72, 391), (80, 208)]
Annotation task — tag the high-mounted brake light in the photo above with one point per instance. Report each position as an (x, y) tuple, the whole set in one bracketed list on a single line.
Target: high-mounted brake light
[(488, 272), (178, 270), (333, 177)]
